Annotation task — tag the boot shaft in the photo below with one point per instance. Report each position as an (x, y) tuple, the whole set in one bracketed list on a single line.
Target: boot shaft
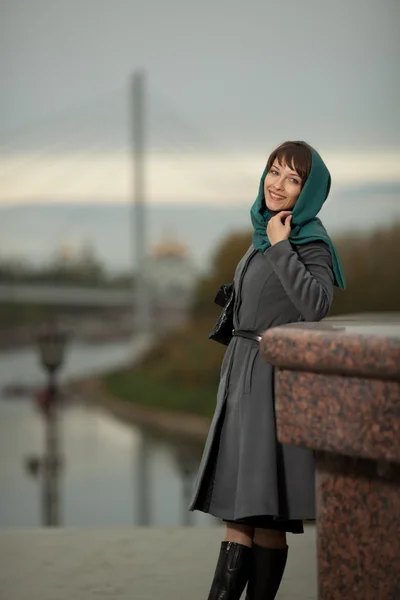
[(266, 572), (232, 572)]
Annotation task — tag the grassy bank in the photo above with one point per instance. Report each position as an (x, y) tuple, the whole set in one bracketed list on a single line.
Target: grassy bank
[(179, 373), (146, 390)]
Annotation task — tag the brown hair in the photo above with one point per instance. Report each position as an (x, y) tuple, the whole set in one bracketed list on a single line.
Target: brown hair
[(297, 155)]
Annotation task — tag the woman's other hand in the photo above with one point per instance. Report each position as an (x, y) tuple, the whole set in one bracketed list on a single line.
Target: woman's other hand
[(278, 227)]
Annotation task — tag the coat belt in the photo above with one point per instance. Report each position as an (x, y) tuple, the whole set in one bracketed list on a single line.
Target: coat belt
[(248, 334)]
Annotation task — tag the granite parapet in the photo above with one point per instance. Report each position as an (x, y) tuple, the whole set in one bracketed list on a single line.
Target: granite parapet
[(337, 392), (345, 347)]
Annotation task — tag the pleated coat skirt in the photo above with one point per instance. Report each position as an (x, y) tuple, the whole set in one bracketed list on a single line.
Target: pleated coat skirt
[(245, 472)]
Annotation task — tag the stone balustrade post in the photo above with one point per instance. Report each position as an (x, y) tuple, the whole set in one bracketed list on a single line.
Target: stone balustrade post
[(338, 394)]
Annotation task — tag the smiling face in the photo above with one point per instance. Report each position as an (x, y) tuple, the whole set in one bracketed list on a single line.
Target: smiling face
[(282, 186)]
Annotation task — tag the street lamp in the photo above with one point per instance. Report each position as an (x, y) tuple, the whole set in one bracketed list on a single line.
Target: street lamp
[(51, 341)]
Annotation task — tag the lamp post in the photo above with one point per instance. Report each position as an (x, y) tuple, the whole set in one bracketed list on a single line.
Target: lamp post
[(51, 342)]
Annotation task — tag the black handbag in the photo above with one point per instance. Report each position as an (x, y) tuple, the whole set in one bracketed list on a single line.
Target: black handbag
[(223, 328)]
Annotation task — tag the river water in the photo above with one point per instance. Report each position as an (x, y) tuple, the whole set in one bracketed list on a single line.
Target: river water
[(114, 473)]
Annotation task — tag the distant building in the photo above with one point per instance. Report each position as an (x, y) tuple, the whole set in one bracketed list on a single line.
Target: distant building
[(171, 278)]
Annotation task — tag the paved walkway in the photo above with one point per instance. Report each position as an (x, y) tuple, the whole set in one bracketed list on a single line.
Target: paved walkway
[(131, 564)]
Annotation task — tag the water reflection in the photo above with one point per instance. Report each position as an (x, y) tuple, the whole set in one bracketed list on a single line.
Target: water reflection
[(187, 461), (114, 474), (143, 481), (163, 478)]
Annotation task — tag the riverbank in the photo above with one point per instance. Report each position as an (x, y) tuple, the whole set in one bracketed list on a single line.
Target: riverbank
[(82, 329), (167, 423)]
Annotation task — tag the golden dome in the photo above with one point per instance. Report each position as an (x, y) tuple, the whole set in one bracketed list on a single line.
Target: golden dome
[(170, 249)]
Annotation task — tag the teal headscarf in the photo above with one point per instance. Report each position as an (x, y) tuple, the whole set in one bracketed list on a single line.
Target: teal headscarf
[(305, 226)]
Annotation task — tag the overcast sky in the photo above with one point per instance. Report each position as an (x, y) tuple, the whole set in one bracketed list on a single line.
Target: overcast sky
[(227, 81)]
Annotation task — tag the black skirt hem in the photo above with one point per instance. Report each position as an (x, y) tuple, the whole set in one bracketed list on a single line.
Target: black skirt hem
[(270, 522)]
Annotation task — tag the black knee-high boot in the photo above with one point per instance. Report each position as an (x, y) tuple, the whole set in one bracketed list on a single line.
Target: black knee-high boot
[(232, 572), (266, 572)]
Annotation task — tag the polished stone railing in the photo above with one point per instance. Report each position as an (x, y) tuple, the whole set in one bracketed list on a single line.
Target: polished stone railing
[(338, 394)]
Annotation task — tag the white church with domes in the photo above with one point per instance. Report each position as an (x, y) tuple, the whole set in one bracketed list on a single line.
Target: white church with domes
[(171, 278)]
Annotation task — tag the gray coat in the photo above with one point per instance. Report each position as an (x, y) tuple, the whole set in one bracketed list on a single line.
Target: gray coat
[(245, 471)]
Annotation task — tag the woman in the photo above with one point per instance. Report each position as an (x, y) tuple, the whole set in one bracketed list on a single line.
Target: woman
[(259, 487)]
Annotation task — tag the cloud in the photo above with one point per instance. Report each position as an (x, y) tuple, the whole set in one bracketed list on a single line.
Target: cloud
[(209, 178)]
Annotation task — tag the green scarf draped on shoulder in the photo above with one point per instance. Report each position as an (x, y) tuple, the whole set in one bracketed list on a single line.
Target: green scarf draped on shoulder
[(305, 226)]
